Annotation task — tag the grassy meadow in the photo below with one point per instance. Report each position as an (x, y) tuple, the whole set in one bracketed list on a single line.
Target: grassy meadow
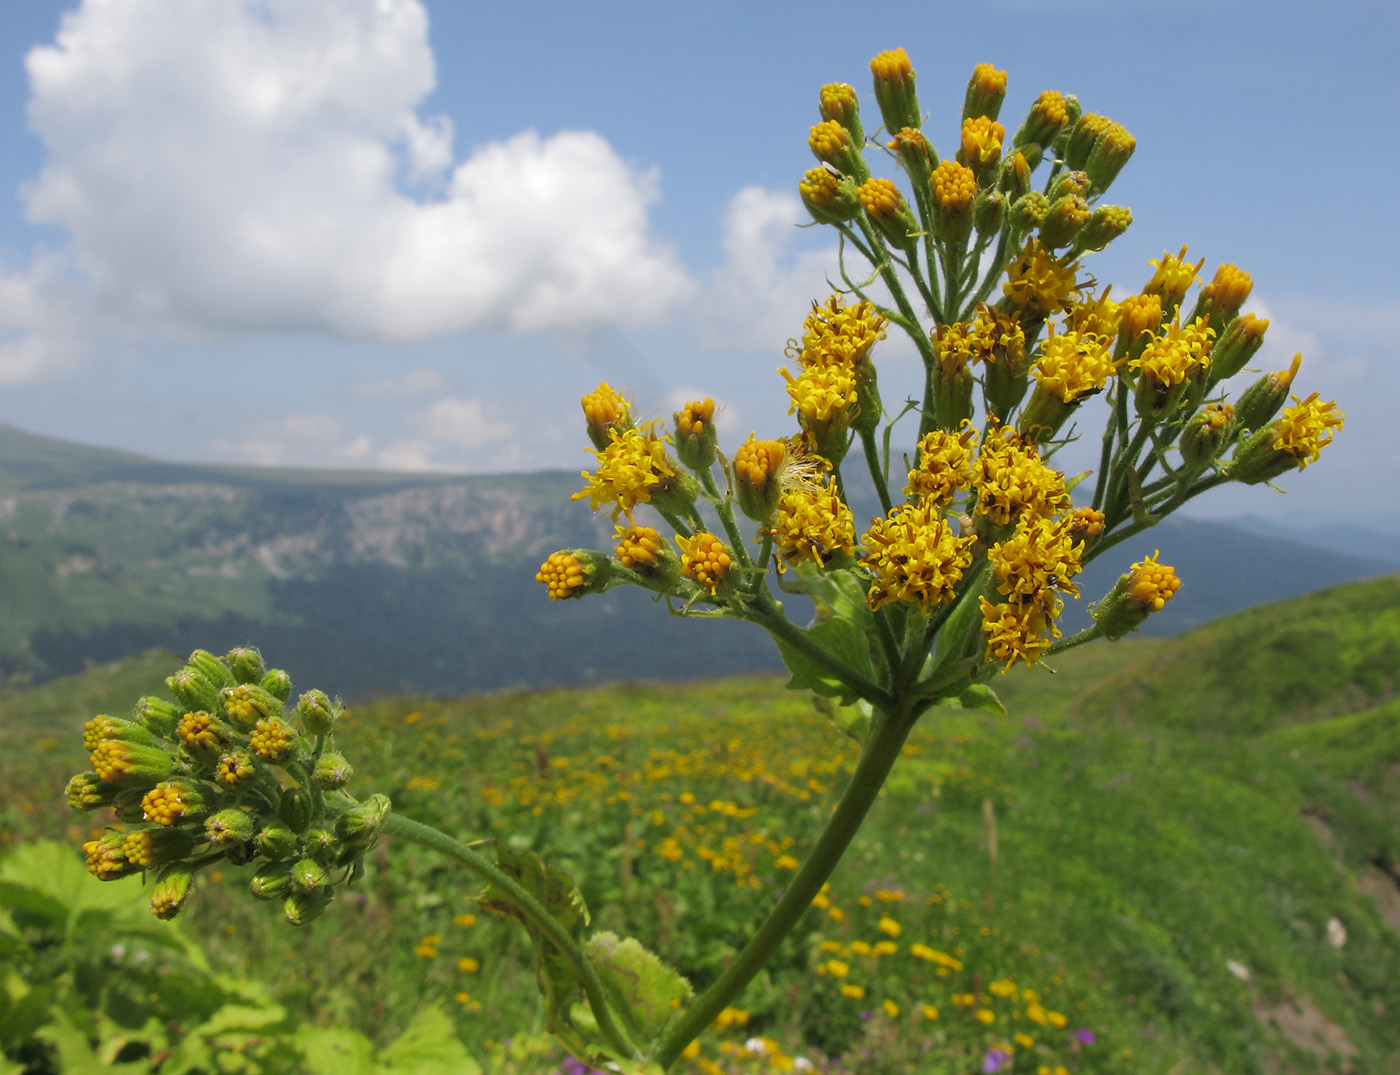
[(1169, 856)]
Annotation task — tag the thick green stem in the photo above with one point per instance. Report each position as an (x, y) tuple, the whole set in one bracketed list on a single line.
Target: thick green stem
[(529, 907), (887, 737), (877, 472), (769, 616)]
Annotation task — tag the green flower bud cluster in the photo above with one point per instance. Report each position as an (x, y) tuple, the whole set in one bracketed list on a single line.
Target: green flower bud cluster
[(227, 771)]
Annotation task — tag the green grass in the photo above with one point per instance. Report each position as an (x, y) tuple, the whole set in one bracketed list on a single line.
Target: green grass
[(1150, 806)]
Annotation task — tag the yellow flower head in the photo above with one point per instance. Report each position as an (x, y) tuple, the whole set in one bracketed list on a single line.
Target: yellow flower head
[(1177, 354), (880, 198), (1050, 109), (892, 66), (953, 186), (1139, 314), (705, 559), (981, 141), (1101, 317), (272, 740), (1306, 428), (812, 523), (833, 334), (695, 418), (1151, 585), (605, 410), (1020, 631), (828, 140), (889, 926), (1010, 478), (838, 100), (1086, 523), (986, 79), (1172, 277), (562, 574), (637, 547), (819, 187), (944, 467), (105, 859), (823, 396), (911, 142), (234, 768), (1073, 365), (630, 469), (1040, 555), (98, 729), (851, 991), (1039, 284), (198, 731), (1228, 290), (914, 556), (165, 804)]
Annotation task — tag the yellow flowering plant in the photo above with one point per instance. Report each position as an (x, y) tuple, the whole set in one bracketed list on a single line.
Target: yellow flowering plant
[(978, 260)]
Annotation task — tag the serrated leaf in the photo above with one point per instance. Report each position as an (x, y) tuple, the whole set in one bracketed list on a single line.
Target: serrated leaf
[(428, 1046), (335, 1051), (850, 720), (837, 593), (637, 977)]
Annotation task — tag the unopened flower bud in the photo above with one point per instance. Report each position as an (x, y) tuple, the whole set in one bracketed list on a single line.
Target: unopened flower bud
[(756, 485), (156, 846), (1263, 399), (885, 206), (980, 147), (989, 212), (1204, 435), (171, 891), (1221, 299), (1069, 183), (1235, 346), (105, 860), (360, 827), (1062, 221), (247, 704), (1082, 137), (1105, 224), (606, 411), (234, 825), (310, 877), (272, 881), (832, 144), (1029, 212), (575, 573), (1112, 150), (914, 152), (642, 549), (278, 684), (894, 89), (234, 768), (953, 185), (295, 809), (86, 792), (194, 689), (830, 197), (332, 771), (301, 908), (985, 92), (172, 803), (840, 103), (158, 715), (317, 712), (126, 805), (1140, 316), (1015, 179), (695, 435), (1145, 589), (1086, 524), (275, 741), (211, 668), (322, 845), (129, 764), (1048, 116), (276, 841), (104, 727), (246, 664), (203, 736)]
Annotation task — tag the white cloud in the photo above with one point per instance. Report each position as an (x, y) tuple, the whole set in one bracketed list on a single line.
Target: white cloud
[(464, 423), (250, 166), (411, 384), (309, 439), (757, 300)]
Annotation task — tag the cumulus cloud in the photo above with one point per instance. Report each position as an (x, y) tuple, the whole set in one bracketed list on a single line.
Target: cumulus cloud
[(311, 439), (261, 166), (757, 299)]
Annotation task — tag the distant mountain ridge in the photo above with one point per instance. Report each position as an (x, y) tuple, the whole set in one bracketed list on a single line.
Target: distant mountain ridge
[(369, 582)]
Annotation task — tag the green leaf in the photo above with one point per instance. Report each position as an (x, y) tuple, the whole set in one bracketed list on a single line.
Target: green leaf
[(335, 1051), (428, 1046), (849, 720), (838, 593), (560, 897), (23, 1010), (843, 640), (638, 978), (977, 696)]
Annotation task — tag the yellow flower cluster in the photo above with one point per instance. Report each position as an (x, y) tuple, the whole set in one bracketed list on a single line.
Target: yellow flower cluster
[(562, 575), (165, 804), (637, 547), (705, 559), (953, 186), (812, 523), (1306, 428), (1151, 585), (944, 465), (271, 739), (630, 468), (1010, 478), (1177, 354), (1073, 365), (1039, 284), (914, 556)]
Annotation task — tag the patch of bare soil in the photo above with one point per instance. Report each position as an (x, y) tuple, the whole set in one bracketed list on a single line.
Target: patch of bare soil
[(1303, 1025)]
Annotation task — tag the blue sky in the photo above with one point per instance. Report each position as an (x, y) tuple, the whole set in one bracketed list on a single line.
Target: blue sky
[(411, 235)]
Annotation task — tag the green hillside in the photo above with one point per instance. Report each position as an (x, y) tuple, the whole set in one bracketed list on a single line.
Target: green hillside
[(1160, 840)]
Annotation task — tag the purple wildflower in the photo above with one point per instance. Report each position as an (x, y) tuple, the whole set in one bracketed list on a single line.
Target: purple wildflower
[(1085, 1036), (996, 1059)]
